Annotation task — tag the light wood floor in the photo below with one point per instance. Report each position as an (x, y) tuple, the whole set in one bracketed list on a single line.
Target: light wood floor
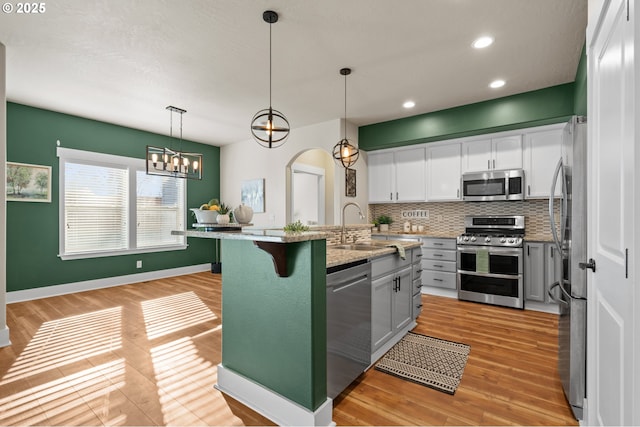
[(146, 354)]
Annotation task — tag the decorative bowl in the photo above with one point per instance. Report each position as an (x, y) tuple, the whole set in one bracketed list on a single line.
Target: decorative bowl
[(205, 216)]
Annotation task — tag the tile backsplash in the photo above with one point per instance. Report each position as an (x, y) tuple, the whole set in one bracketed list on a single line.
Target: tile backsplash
[(446, 219)]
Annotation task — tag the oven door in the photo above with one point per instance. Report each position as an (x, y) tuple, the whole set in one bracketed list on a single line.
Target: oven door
[(491, 275)]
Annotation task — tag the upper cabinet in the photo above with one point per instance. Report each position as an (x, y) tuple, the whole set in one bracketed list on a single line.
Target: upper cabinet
[(542, 150), (443, 172), (432, 171), (492, 154), (397, 176)]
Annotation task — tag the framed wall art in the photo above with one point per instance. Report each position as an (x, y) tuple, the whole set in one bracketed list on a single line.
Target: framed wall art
[(350, 182), (252, 194), (28, 183)]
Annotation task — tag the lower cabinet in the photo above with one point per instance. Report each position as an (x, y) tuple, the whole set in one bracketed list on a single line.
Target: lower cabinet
[(439, 262), (391, 298), (541, 267)]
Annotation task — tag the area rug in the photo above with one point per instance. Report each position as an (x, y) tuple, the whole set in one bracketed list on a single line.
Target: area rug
[(429, 361)]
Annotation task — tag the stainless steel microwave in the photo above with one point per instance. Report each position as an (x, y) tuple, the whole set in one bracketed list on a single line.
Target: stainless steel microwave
[(493, 185)]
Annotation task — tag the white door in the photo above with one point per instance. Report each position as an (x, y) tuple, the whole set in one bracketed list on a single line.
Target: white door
[(611, 365)]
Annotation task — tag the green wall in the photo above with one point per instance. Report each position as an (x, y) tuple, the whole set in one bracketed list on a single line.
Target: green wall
[(32, 228), (540, 107), (275, 327), (580, 93)]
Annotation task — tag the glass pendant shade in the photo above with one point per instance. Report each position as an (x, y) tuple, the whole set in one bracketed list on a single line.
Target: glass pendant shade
[(346, 153), (165, 161)]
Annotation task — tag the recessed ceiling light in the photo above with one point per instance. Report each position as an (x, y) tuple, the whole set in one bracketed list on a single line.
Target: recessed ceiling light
[(409, 104), (496, 84), (482, 42)]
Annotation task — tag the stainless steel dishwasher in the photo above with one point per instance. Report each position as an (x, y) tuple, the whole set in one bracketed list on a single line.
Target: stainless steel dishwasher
[(348, 324)]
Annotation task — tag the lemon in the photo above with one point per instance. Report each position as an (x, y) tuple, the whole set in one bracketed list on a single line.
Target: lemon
[(204, 207)]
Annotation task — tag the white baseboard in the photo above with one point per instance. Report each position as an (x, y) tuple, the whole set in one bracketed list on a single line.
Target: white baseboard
[(89, 285), (277, 408), (4, 337)]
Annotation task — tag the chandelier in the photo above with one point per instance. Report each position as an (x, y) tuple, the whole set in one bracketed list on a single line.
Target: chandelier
[(269, 127), (174, 163), (344, 151)]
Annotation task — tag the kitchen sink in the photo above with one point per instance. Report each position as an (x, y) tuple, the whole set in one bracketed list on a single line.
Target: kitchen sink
[(360, 246)]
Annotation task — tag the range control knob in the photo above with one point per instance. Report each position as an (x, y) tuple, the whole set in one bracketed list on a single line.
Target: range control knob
[(473, 238), (465, 238), (502, 240), (487, 239), (511, 240)]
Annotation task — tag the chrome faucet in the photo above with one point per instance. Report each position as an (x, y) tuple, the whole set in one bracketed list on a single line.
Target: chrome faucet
[(342, 234)]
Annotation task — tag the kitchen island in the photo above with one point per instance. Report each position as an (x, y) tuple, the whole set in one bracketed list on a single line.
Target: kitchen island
[(274, 342)]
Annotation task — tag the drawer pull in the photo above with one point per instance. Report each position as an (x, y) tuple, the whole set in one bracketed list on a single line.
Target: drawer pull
[(419, 286), (419, 270), (438, 280), (438, 266), (438, 255), (438, 244)]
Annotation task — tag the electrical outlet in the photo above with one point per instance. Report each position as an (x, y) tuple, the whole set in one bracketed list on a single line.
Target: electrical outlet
[(139, 264)]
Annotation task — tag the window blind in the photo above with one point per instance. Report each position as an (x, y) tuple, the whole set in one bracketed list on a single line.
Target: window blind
[(110, 206)]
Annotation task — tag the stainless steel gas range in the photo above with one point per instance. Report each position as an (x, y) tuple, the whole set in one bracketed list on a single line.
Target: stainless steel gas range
[(490, 260)]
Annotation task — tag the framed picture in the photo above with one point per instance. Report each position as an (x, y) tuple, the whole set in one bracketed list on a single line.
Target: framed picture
[(252, 194), (28, 183), (350, 182)]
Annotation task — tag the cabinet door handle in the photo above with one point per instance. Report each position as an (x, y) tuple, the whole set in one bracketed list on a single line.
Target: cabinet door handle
[(390, 196), (529, 190), (488, 164), (552, 249), (396, 195), (528, 253), (399, 283), (494, 163), (458, 193)]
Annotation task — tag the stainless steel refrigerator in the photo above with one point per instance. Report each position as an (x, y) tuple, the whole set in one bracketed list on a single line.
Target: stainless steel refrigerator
[(568, 216)]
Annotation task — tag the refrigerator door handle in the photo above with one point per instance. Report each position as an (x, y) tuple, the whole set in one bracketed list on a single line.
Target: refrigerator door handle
[(553, 298), (552, 219)]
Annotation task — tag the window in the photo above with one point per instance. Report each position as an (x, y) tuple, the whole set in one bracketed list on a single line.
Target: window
[(110, 206)]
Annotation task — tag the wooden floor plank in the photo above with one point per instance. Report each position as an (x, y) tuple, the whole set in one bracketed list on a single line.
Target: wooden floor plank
[(159, 365)]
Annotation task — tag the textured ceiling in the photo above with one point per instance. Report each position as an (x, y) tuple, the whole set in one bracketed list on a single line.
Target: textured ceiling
[(123, 61)]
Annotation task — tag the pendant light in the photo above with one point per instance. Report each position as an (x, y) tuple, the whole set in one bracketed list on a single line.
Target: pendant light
[(270, 127), (344, 151), (174, 163)]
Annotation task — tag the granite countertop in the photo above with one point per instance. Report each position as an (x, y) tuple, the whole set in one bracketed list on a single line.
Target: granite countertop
[(344, 256), (416, 234), (255, 234)]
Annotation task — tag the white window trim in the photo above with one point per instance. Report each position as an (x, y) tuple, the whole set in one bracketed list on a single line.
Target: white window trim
[(110, 160)]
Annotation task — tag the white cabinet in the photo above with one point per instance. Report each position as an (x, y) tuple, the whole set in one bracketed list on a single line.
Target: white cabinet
[(492, 154), (541, 270), (397, 176), (443, 172), (542, 150), (381, 177)]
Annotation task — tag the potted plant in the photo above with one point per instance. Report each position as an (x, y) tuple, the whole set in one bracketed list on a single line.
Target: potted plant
[(384, 221), (223, 214)]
